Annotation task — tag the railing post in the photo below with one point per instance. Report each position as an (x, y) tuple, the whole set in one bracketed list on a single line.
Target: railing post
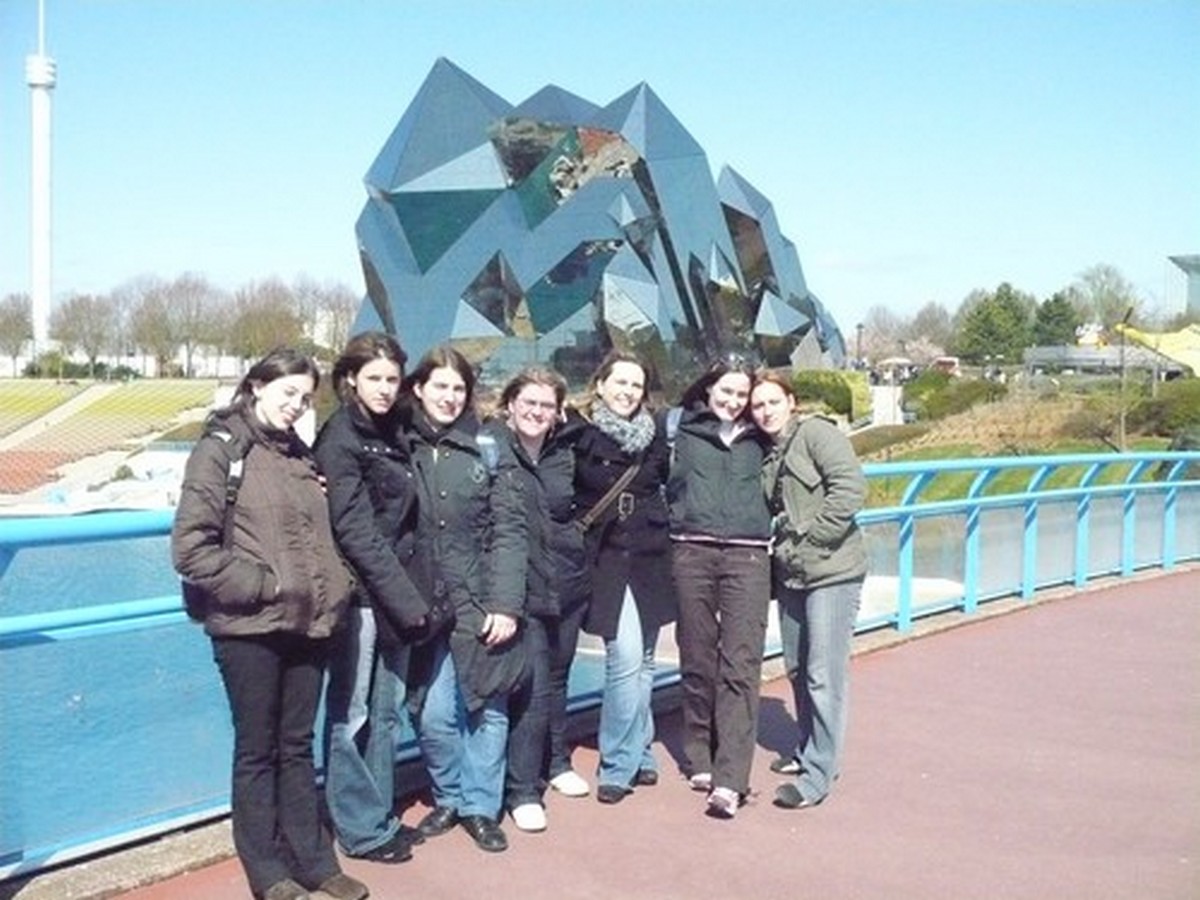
[(971, 562), (904, 596), (1170, 523)]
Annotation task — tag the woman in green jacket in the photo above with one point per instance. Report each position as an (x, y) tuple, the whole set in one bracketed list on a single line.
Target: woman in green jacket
[(814, 486)]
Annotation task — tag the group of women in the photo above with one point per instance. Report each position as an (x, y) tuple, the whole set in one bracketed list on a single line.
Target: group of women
[(430, 559)]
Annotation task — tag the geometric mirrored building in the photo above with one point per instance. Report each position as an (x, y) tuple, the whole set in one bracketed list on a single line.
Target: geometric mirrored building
[(554, 230)]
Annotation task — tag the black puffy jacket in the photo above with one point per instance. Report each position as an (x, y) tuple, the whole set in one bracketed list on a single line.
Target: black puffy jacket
[(557, 579), (471, 534), (372, 493)]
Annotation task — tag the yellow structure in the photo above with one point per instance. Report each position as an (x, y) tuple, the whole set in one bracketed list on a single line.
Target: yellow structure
[(1182, 346)]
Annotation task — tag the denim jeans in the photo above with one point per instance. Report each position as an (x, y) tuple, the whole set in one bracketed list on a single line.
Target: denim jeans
[(724, 593), (626, 718), (464, 752), (362, 710), (273, 682), (816, 627)]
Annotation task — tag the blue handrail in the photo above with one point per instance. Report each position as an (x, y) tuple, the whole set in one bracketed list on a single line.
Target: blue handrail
[(101, 689)]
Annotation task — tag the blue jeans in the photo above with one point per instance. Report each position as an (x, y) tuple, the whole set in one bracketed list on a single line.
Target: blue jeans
[(626, 718), (464, 752), (815, 627), (363, 700)]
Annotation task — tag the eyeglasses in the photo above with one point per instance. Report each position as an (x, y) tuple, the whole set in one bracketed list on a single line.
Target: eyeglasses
[(528, 405)]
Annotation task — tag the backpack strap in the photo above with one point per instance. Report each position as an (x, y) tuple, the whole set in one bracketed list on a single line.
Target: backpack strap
[(489, 451), (237, 452)]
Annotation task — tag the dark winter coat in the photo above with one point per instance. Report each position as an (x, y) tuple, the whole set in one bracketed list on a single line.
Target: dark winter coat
[(281, 570), (715, 491), (814, 486), (471, 535), (557, 579), (372, 492), (633, 551)]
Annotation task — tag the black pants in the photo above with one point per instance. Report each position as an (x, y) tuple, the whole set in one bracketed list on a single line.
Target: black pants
[(273, 682), (724, 591), (537, 734)]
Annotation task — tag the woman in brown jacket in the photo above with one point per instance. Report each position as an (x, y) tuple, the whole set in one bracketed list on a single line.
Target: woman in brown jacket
[(252, 536)]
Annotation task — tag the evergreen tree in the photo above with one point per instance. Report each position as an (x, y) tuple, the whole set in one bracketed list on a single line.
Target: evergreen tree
[(1055, 322)]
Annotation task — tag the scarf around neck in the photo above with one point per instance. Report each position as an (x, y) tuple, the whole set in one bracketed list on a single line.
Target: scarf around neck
[(632, 435)]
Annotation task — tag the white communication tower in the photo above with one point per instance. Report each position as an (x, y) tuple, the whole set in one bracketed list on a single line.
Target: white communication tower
[(41, 75)]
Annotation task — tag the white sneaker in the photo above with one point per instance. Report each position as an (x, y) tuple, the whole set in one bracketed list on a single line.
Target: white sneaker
[(529, 817), (570, 784), (724, 802), (701, 781)]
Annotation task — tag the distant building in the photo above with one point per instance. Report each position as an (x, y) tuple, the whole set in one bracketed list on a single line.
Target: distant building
[(1191, 267), (555, 230)]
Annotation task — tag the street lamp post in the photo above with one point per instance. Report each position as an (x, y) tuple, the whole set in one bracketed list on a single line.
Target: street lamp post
[(858, 330), (1121, 390)]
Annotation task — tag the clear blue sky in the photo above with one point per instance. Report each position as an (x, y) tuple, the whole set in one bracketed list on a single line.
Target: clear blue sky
[(913, 151)]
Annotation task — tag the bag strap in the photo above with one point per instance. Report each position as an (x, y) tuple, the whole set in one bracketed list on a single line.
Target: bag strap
[(589, 518)]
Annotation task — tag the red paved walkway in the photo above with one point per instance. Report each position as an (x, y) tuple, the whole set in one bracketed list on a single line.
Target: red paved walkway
[(1054, 753)]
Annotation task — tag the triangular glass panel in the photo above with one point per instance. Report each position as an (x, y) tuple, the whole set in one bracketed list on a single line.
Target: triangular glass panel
[(446, 119), (477, 170), (434, 220)]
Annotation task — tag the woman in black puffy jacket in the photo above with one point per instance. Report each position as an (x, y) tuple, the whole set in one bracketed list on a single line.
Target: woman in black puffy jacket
[(471, 536), (543, 445), (372, 498)]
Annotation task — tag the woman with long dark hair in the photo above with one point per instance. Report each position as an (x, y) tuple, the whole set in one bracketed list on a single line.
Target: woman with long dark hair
[(471, 533), (264, 559), (721, 534), (365, 458)]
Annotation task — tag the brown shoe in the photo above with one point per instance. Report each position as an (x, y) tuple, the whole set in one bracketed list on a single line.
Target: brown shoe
[(342, 887), (285, 890)]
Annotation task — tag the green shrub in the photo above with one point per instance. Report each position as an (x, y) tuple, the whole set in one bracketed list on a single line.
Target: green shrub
[(1175, 410), (825, 386), (935, 395)]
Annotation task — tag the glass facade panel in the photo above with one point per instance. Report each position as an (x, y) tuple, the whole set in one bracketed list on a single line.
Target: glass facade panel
[(556, 230)]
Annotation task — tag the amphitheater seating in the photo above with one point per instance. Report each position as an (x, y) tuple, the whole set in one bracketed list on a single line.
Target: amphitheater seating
[(113, 422), (24, 400)]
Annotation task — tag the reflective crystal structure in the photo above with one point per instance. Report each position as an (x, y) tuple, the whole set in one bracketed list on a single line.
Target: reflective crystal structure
[(555, 230)]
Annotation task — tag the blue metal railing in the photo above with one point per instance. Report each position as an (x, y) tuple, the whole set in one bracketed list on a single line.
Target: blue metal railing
[(112, 708)]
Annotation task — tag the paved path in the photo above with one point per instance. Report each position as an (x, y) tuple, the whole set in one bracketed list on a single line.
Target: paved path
[(1053, 753)]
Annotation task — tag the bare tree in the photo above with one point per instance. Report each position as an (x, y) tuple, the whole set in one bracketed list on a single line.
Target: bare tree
[(931, 327), (126, 298), (339, 308), (84, 322), (328, 311), (883, 333), (266, 317), (1106, 295), (190, 302), (16, 325), (151, 326)]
